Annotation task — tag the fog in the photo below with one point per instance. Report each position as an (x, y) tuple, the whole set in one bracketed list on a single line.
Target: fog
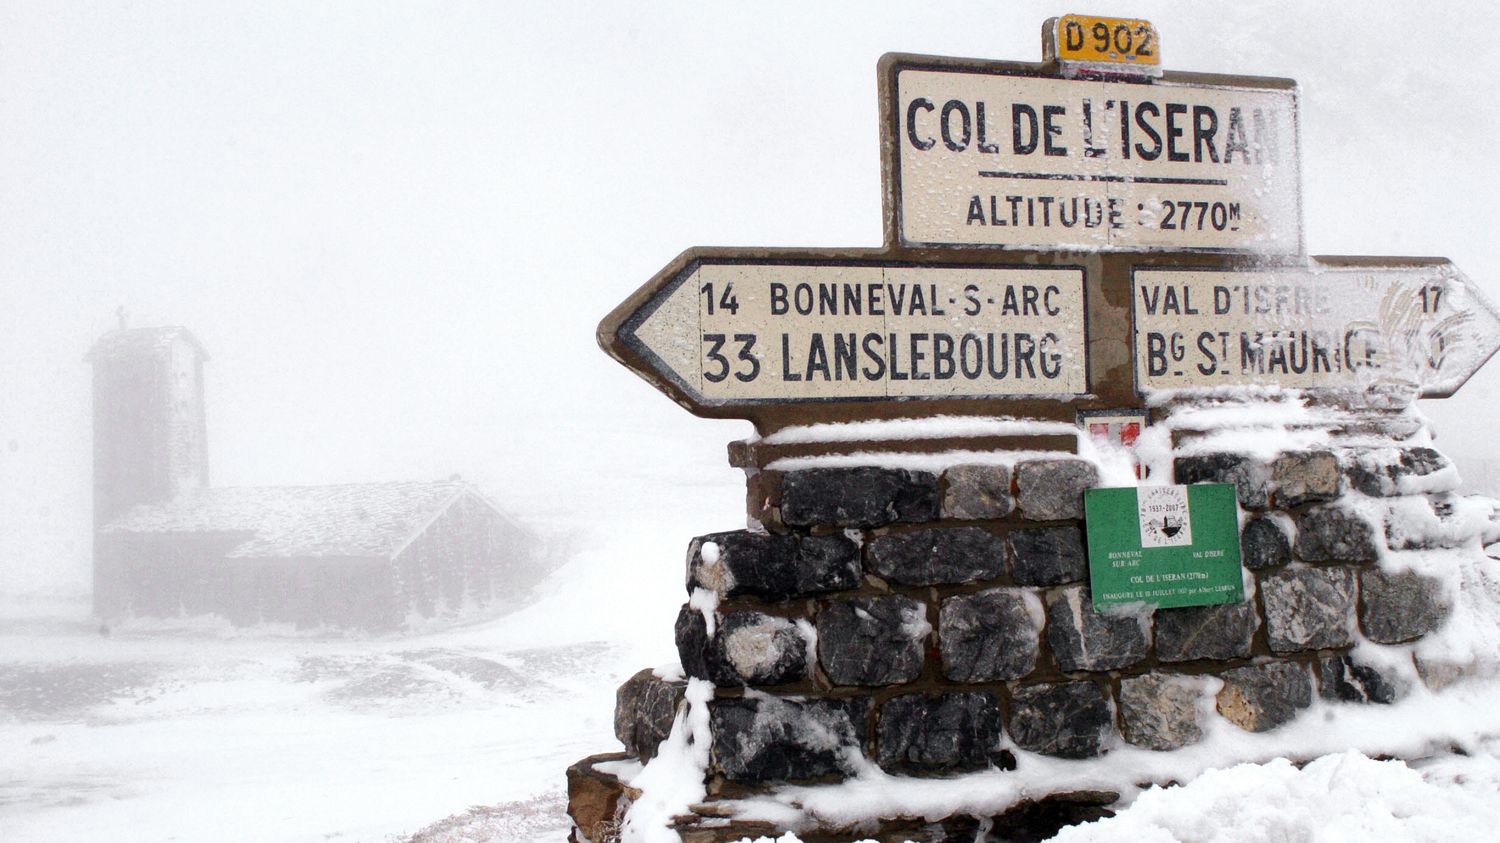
[(394, 227)]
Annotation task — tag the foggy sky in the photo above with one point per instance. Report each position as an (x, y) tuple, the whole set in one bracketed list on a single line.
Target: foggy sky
[(395, 227)]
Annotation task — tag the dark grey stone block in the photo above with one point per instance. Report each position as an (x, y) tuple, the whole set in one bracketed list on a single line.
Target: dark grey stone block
[(1263, 544), (1052, 489), (1067, 720), (858, 497), (765, 738), (943, 733), (1308, 608), (1333, 534), (1047, 555), (1219, 632), (1346, 680), (1082, 639), (645, 707), (938, 556), (1261, 697), (988, 636), (746, 648), (695, 645), (1251, 479), (1399, 607), (872, 640), (739, 563)]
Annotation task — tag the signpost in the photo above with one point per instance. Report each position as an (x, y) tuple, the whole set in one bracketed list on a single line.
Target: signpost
[(1004, 154), (714, 330), (1165, 546), (1065, 238), (1325, 326)]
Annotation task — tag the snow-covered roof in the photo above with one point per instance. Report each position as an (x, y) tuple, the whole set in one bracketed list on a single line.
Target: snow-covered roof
[(351, 520), (131, 340)]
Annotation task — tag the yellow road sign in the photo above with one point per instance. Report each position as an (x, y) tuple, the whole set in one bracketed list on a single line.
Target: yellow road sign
[(1117, 41)]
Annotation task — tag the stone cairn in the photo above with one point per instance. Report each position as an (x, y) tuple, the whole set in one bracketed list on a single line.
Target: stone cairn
[(916, 617)]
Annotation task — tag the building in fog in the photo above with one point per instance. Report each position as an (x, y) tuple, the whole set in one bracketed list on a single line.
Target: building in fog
[(371, 555)]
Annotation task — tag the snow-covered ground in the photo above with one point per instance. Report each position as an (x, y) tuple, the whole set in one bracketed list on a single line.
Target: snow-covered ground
[(207, 733), (199, 736)]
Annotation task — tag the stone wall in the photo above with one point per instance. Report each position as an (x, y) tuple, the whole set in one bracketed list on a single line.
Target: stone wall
[(914, 618)]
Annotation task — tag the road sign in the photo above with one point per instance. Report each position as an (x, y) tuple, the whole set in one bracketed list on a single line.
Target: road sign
[(715, 330), (1117, 45), (1337, 323), (1165, 546), (1016, 155)]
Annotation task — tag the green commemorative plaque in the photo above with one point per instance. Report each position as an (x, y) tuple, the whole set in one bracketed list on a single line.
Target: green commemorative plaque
[(1165, 546)]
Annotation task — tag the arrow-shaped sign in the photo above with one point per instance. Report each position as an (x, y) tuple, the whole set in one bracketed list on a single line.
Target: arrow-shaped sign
[(1334, 324), (717, 330)]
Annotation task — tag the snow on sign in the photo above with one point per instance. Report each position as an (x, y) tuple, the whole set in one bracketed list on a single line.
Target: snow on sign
[(1325, 325), (1004, 154), (723, 331)]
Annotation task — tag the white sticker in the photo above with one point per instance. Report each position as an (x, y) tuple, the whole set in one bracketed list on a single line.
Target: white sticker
[(1163, 512)]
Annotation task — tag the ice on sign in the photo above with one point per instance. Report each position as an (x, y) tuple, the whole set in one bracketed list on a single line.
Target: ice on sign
[(728, 333), (998, 158), (1422, 327)]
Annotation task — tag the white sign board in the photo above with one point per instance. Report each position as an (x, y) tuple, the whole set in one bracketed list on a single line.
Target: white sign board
[(1319, 327), (746, 331), (1020, 160)]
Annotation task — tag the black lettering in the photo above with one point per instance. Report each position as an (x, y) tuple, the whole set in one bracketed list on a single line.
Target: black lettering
[(817, 357), (1025, 351), (786, 360), (1150, 297), (917, 356), (983, 145), (1018, 112), (1204, 131), (1174, 131), (853, 304), (970, 351), (976, 212), (1156, 354), (1050, 360), (1154, 152), (946, 125), (871, 344), (1003, 358), (911, 123), (845, 357), (971, 295), (778, 299), (1052, 130), (942, 357), (1210, 362), (895, 359)]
